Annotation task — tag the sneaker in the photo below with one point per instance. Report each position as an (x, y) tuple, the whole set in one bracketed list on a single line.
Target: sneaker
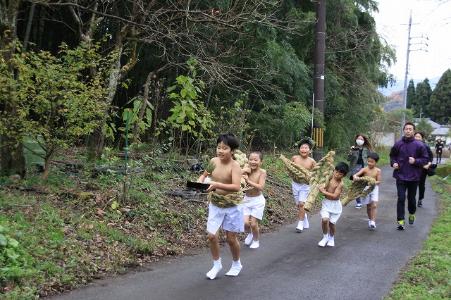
[(400, 225), (411, 219), (306, 223), (323, 242), (255, 245), (331, 242), (369, 223), (420, 203), (217, 266), (372, 225), (248, 239), (300, 226), (358, 205), (235, 269)]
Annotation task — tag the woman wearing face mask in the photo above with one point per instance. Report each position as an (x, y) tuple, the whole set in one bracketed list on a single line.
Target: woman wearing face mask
[(357, 157)]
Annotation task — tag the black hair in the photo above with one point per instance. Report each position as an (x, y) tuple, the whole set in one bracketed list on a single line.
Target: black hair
[(228, 139), (258, 153), (342, 168), (420, 133), (374, 156), (409, 123), (306, 141)]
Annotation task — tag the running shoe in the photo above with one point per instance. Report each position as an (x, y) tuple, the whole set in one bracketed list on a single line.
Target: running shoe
[(400, 225)]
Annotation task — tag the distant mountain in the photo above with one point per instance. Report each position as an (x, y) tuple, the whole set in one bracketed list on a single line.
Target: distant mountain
[(394, 101), (399, 85)]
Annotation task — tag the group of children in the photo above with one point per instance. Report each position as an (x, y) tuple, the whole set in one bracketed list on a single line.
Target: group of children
[(236, 216)]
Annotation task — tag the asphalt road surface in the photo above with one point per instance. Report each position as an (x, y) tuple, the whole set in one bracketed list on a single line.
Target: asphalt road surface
[(289, 265)]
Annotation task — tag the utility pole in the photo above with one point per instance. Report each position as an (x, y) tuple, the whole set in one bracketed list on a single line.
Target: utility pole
[(318, 80), (409, 44), (405, 75)]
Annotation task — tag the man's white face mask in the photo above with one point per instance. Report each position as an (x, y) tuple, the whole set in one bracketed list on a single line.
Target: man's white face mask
[(359, 142)]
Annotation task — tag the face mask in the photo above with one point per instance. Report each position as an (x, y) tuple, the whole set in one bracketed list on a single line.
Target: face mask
[(359, 142)]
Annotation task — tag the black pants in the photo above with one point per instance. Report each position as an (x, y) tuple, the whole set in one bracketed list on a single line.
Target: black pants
[(438, 157), (422, 185), (411, 188)]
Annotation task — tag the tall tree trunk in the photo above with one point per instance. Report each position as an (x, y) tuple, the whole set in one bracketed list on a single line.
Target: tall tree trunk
[(12, 158)]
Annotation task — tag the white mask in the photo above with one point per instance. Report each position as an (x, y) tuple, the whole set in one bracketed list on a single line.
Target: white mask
[(359, 142)]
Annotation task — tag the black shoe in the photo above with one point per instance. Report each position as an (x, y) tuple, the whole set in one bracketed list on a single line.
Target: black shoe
[(420, 203)]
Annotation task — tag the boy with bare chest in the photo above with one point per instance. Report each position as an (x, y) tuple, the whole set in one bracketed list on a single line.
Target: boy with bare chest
[(371, 170), (254, 202), (224, 209), (301, 190), (331, 206)]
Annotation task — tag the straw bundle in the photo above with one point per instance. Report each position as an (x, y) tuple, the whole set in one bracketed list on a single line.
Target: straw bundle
[(296, 172), (321, 175), (360, 187)]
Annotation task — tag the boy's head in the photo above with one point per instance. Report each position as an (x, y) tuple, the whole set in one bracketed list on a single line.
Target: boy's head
[(229, 140), (305, 146), (373, 158), (225, 145), (341, 169), (255, 159)]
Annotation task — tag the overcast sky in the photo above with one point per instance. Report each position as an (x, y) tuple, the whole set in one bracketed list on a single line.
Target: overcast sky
[(430, 18)]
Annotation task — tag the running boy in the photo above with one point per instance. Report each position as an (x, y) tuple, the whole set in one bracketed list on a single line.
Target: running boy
[(254, 202), (371, 200), (331, 206), (301, 190), (224, 209)]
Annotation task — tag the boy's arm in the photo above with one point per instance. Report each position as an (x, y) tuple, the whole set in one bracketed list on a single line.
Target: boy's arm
[(205, 174), (260, 185), (378, 176), (335, 194), (230, 187), (359, 173)]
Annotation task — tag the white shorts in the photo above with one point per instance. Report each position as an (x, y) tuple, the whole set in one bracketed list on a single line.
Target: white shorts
[(300, 191), (230, 218), (331, 209), (371, 197), (254, 206)]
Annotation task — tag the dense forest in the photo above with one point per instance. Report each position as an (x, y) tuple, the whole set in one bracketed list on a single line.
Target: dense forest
[(177, 73)]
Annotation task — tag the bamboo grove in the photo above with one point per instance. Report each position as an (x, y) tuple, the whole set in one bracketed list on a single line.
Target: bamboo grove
[(178, 72)]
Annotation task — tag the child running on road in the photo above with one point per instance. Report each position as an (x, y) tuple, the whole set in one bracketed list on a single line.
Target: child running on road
[(372, 198), (254, 202), (331, 206), (224, 209), (301, 190)]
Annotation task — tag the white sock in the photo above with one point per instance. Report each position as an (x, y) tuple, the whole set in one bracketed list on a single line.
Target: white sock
[(235, 268), (217, 266), (306, 223)]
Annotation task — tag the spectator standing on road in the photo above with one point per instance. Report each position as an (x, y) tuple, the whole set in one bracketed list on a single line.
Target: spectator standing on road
[(438, 150), (358, 157), (407, 157), (419, 136)]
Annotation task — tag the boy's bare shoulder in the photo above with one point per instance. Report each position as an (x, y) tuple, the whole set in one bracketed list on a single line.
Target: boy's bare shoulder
[(263, 171), (235, 164), (295, 157), (312, 160)]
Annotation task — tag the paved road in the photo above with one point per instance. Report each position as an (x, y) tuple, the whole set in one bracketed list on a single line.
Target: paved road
[(362, 265)]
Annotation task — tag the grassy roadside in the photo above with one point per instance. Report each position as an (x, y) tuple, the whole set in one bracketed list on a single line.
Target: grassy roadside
[(428, 275), (76, 227)]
